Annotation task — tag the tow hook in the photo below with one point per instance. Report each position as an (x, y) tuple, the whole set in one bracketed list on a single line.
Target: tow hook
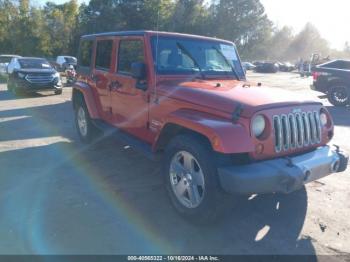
[(289, 162)]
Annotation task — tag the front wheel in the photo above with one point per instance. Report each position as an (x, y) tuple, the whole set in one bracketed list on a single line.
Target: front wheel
[(191, 180), (58, 91), (339, 95)]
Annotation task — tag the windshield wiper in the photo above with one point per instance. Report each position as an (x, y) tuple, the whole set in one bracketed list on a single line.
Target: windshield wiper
[(227, 62), (186, 52)]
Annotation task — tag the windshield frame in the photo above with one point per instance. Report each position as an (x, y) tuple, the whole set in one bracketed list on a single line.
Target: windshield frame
[(208, 74)]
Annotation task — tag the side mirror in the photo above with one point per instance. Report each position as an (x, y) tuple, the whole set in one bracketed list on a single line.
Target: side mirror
[(138, 71)]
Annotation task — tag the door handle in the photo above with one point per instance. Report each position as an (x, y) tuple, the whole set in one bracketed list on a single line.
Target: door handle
[(115, 85)]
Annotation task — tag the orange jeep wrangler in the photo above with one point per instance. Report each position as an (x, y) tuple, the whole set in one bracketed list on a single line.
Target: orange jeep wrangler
[(186, 98)]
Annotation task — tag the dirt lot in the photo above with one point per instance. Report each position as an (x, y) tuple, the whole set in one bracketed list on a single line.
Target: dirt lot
[(60, 197)]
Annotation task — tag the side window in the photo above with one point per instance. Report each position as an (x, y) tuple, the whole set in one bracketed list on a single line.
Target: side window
[(103, 54), (85, 53), (130, 51)]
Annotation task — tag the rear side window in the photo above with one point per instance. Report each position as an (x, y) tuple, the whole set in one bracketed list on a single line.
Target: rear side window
[(85, 53), (130, 51), (103, 54)]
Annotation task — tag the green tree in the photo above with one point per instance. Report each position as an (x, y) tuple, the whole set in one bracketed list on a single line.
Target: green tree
[(279, 44), (190, 16), (244, 22), (307, 42)]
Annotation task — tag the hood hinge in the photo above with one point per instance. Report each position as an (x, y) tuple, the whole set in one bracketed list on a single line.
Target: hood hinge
[(237, 113)]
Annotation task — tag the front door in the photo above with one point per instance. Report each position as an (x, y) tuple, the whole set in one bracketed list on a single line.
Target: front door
[(129, 104)]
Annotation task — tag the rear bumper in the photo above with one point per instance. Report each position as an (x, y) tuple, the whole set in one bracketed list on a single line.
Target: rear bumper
[(283, 175), (317, 86)]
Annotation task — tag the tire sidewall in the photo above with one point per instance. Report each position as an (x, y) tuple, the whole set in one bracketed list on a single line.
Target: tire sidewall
[(213, 193), (331, 91)]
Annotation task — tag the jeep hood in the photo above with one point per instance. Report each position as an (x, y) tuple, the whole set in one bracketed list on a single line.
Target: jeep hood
[(226, 95)]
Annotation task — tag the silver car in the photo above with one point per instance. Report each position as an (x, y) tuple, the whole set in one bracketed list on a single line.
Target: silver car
[(4, 61)]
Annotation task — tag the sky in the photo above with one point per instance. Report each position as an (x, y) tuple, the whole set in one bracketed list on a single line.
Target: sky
[(331, 17)]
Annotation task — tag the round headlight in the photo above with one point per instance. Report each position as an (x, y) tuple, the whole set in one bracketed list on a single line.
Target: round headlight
[(258, 125), (56, 75), (323, 119)]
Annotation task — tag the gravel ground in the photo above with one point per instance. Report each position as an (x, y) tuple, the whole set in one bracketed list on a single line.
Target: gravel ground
[(60, 197)]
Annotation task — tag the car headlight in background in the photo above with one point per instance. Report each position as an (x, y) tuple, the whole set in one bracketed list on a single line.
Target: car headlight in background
[(56, 75), (21, 75), (258, 125)]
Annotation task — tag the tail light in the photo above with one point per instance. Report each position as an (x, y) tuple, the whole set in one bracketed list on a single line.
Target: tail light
[(316, 75)]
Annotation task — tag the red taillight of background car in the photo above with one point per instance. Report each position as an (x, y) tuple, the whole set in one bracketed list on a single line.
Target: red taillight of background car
[(316, 75)]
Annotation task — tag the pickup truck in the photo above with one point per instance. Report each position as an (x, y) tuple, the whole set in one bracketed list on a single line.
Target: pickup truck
[(333, 78), (185, 100)]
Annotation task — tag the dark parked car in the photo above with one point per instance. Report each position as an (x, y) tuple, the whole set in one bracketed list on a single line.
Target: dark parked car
[(286, 67), (266, 67), (333, 78), (248, 66), (30, 74)]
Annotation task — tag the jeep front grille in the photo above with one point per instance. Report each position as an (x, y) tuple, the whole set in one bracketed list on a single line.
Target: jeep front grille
[(296, 130), (39, 78)]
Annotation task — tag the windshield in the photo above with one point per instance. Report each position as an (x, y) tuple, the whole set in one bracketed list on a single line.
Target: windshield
[(176, 55), (34, 63), (5, 59)]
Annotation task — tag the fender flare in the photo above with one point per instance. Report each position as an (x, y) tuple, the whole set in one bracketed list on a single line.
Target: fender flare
[(88, 95), (225, 137)]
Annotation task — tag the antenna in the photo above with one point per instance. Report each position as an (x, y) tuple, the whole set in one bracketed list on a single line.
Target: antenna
[(156, 61)]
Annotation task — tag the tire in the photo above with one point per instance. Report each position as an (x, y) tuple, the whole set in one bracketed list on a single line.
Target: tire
[(339, 94), (58, 92), (210, 202), (86, 130)]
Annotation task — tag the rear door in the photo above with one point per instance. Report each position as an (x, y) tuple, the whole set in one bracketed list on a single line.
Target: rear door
[(129, 104), (103, 68)]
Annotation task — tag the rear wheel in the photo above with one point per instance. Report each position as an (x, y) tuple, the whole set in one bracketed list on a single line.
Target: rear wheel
[(191, 180), (86, 130), (338, 95)]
